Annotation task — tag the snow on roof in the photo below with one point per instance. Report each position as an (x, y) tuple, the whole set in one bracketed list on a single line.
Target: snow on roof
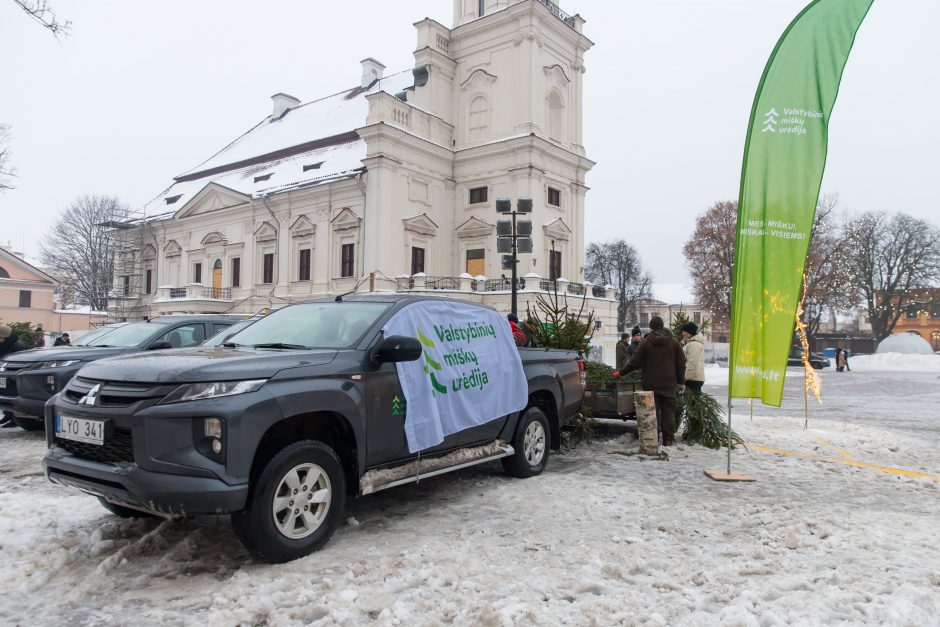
[(334, 162), (673, 293), (318, 119)]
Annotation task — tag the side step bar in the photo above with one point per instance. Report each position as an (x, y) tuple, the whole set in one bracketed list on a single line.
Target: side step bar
[(413, 472)]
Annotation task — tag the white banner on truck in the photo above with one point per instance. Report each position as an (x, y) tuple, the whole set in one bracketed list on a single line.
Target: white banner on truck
[(469, 373)]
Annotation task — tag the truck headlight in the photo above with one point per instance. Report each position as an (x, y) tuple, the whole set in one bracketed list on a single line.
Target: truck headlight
[(199, 391), (57, 364)]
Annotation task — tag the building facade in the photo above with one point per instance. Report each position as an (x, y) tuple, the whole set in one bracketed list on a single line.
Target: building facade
[(390, 184), (27, 294)]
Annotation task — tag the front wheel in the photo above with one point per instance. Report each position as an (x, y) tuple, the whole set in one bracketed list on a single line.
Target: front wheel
[(531, 444), (295, 504)]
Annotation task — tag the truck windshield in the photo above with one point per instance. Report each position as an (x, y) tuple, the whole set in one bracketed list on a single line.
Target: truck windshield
[(94, 335), (312, 325), (130, 335)]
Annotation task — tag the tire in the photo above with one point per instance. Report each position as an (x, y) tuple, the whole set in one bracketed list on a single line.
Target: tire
[(29, 424), (124, 512), (531, 443), (268, 528)]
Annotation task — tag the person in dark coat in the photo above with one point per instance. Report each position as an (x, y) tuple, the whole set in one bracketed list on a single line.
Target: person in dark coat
[(10, 342), (636, 336), (662, 361), (623, 346), (63, 340)]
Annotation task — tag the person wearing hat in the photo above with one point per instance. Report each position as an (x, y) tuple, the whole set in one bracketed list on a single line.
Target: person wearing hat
[(662, 361), (622, 347), (693, 345), (10, 342), (635, 338), (63, 340)]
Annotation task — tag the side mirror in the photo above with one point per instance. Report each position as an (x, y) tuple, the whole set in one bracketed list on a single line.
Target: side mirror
[(156, 346), (397, 348)]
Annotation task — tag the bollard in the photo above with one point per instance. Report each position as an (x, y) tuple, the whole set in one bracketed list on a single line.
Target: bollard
[(647, 428)]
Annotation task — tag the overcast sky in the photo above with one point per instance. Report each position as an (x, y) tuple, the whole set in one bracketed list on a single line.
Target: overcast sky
[(143, 91)]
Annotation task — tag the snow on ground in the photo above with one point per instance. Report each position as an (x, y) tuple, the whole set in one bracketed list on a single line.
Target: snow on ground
[(827, 535), (908, 343), (897, 362)]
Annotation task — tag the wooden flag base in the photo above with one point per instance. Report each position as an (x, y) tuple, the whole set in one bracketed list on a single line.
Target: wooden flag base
[(721, 475)]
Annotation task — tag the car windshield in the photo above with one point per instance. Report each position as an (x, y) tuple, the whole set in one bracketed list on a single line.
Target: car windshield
[(130, 335), (312, 325), (222, 336), (93, 335)]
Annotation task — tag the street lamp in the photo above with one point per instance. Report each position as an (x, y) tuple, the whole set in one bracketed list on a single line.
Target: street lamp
[(513, 237)]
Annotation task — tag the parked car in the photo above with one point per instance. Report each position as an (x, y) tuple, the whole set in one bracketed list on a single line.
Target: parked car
[(264, 427), (29, 378), (816, 360), (223, 336)]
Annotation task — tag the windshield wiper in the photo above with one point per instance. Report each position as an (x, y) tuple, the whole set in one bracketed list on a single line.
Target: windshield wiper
[(230, 345), (280, 345)]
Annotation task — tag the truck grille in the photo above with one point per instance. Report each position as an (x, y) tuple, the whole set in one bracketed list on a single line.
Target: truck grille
[(10, 369), (118, 449), (115, 394)]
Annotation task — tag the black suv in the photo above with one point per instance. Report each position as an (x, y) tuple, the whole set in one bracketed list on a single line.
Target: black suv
[(29, 378), (816, 360)]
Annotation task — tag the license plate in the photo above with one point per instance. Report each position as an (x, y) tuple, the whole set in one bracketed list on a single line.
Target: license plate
[(3, 382), (80, 429)]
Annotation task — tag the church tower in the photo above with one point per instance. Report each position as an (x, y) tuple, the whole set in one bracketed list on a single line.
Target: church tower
[(495, 112)]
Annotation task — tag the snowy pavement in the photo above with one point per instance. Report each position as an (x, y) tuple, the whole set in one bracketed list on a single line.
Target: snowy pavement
[(832, 532)]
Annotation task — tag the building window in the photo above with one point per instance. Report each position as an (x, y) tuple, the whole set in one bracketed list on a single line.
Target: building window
[(554, 197), (417, 260), (197, 273), (267, 268), (126, 287), (479, 119), (475, 261), (555, 111), (697, 317), (3, 273), (911, 313), (481, 8), (644, 319), (304, 265), (348, 260), (148, 281), (26, 298), (554, 265), (478, 195), (236, 272)]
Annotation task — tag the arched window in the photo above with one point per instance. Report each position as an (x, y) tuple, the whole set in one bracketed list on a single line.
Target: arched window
[(479, 119), (3, 273), (555, 115)]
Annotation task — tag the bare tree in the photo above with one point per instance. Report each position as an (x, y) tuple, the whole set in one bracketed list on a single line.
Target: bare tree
[(7, 173), (618, 263), (40, 11), (893, 260), (79, 251), (709, 256), (828, 281)]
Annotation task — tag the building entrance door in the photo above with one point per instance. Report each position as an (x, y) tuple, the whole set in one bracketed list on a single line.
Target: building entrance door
[(475, 262), (217, 279)]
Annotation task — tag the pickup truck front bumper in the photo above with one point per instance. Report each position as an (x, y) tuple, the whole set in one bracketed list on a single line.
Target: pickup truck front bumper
[(134, 487)]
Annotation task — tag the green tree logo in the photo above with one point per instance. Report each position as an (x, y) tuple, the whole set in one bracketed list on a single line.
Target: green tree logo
[(430, 362)]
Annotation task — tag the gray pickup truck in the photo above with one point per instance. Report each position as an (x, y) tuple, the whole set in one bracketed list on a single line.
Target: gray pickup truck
[(281, 424)]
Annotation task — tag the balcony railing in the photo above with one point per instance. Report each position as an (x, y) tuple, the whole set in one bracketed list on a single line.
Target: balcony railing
[(442, 283), (422, 283), (192, 292), (557, 12)]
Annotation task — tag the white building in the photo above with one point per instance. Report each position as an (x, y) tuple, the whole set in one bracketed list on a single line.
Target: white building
[(394, 177)]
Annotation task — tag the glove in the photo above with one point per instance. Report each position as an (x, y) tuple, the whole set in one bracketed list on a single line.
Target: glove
[(616, 374)]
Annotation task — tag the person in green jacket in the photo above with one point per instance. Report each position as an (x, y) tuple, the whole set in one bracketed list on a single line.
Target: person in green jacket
[(662, 361)]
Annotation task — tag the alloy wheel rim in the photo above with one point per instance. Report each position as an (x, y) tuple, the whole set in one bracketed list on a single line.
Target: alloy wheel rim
[(301, 501), (533, 445)]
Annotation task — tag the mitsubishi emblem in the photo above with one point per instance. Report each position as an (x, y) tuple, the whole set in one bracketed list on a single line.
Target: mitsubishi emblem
[(92, 397)]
